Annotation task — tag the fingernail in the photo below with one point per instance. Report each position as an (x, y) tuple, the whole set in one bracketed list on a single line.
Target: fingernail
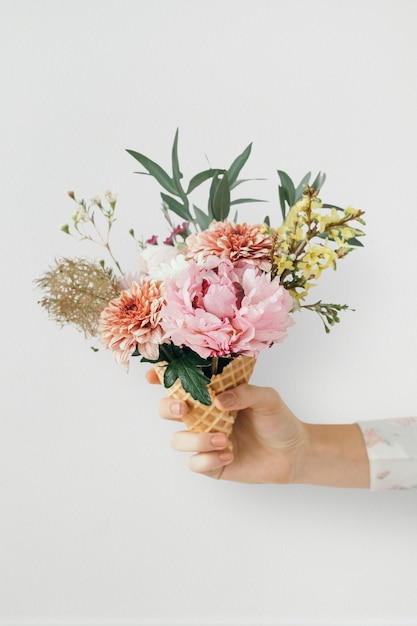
[(175, 408), (219, 441), (227, 399), (225, 457)]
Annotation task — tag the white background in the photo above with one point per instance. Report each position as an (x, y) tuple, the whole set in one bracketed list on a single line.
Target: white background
[(100, 521)]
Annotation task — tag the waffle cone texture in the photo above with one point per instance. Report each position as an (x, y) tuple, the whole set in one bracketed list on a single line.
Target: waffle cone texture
[(205, 419)]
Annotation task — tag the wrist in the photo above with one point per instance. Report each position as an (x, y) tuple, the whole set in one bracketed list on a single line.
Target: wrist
[(333, 455)]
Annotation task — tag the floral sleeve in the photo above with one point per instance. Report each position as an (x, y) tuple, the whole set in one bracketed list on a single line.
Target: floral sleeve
[(392, 451)]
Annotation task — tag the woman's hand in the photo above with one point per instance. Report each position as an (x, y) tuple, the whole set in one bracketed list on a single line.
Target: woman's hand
[(266, 438), (270, 444)]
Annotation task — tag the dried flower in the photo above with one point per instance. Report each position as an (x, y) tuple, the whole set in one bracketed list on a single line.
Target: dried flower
[(76, 291), (237, 242), (133, 321)]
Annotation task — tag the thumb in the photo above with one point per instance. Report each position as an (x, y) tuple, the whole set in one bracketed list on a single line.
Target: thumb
[(246, 396)]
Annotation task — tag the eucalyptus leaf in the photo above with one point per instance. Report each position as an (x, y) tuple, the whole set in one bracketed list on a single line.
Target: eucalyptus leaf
[(332, 206), (156, 171), (318, 182), (220, 204), (240, 181), (176, 174), (176, 207), (354, 241), (288, 186), (234, 170), (203, 220), (245, 200), (201, 177), (300, 188), (282, 202)]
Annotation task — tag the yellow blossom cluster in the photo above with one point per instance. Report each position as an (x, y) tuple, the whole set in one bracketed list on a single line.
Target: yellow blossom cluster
[(311, 239)]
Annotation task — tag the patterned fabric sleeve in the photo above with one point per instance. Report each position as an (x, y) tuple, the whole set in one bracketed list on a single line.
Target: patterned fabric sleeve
[(392, 452)]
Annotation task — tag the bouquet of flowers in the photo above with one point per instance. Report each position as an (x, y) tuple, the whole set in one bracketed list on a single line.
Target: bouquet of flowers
[(201, 305)]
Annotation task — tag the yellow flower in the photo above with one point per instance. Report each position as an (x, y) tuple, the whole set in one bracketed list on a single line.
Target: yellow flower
[(347, 233), (283, 263), (331, 218), (316, 259)]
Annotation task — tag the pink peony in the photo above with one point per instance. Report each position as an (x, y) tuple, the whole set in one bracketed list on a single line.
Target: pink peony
[(133, 320), (224, 310), (237, 242)]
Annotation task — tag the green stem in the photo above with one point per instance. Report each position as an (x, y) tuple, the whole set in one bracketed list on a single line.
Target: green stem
[(214, 365)]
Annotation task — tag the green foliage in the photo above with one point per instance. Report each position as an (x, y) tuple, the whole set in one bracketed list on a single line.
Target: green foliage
[(187, 366), (176, 198), (289, 194), (328, 313), (188, 369)]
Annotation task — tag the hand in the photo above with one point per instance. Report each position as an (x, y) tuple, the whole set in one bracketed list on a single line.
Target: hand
[(270, 444), (266, 437)]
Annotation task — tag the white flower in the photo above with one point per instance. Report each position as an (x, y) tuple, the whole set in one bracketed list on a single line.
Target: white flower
[(110, 197), (171, 269), (152, 258)]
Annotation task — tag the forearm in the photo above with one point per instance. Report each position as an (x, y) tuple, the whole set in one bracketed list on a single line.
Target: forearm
[(334, 456)]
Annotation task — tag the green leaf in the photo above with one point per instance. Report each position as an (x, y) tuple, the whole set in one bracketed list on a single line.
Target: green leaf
[(332, 206), (300, 188), (201, 177), (193, 380), (240, 181), (234, 170), (288, 186), (282, 202), (267, 221), (245, 200), (176, 207), (156, 171), (203, 220), (220, 199), (176, 174), (318, 182), (354, 242)]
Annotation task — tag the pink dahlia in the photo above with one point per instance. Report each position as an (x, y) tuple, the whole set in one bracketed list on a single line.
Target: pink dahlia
[(224, 310), (133, 320), (237, 242)]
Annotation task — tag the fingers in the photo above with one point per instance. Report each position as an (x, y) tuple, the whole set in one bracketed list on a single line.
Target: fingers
[(152, 377), (168, 408), (212, 454), (171, 409), (186, 441), (211, 463)]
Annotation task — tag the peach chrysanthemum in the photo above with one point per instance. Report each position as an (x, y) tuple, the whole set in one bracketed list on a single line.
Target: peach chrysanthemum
[(237, 242), (133, 321)]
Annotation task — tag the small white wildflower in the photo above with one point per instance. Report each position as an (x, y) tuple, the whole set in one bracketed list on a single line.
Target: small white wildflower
[(110, 197), (96, 201), (81, 215)]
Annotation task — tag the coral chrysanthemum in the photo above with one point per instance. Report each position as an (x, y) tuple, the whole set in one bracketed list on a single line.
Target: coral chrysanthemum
[(133, 321), (237, 242)]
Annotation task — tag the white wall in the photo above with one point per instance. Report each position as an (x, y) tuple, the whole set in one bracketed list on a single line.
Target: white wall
[(100, 521)]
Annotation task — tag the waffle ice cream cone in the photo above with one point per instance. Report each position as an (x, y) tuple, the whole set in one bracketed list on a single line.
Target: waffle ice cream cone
[(205, 419)]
